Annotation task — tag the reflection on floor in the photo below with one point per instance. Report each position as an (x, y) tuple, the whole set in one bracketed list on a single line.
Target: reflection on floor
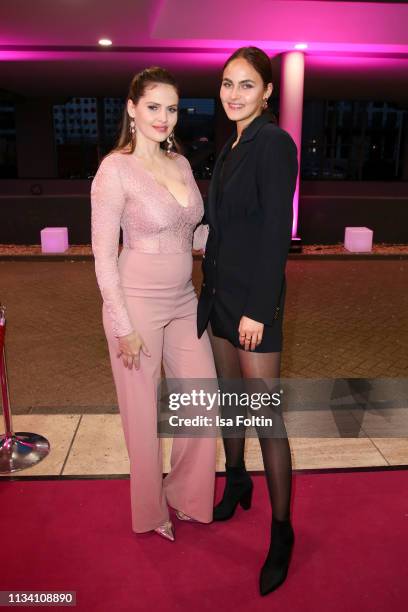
[(92, 445)]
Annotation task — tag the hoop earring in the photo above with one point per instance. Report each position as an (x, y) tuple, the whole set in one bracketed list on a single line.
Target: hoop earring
[(132, 128), (170, 142)]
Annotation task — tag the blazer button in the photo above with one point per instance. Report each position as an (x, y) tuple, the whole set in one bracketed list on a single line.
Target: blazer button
[(213, 291), (203, 284), (214, 262)]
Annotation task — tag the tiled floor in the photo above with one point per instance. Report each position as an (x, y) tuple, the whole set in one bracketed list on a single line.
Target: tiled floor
[(93, 444)]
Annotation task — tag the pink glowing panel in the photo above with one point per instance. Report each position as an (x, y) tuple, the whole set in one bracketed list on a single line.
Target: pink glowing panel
[(54, 239), (328, 24), (358, 239), (291, 110)]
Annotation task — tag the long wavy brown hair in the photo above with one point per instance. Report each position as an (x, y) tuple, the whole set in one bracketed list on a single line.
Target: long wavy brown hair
[(154, 75)]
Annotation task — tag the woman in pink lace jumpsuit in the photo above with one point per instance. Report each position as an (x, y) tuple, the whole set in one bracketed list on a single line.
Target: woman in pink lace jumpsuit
[(148, 294)]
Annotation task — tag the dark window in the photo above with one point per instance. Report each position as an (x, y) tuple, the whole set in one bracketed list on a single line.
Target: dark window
[(8, 156), (76, 143), (353, 140)]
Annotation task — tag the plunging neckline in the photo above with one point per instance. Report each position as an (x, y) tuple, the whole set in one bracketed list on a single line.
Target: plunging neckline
[(165, 188)]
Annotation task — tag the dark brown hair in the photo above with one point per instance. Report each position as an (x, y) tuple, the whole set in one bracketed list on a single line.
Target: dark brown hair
[(260, 62), (138, 85)]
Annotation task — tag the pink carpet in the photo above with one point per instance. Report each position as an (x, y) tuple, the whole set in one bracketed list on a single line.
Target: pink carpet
[(350, 551)]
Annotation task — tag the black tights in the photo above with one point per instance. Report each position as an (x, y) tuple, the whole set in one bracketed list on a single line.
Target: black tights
[(234, 363)]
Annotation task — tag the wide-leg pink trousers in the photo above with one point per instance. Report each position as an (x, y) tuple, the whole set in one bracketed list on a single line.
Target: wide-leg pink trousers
[(162, 306)]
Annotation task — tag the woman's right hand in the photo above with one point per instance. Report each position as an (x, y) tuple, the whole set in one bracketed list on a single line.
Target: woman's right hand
[(129, 349)]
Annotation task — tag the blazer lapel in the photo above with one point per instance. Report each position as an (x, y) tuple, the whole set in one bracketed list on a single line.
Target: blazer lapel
[(243, 148), (239, 155)]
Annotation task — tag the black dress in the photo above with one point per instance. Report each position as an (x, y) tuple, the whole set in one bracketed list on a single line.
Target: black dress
[(249, 211)]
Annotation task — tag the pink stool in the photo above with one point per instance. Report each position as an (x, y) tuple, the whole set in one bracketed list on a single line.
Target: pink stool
[(358, 239), (54, 239)]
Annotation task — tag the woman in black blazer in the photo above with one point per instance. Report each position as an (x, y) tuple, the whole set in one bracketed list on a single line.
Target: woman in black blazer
[(249, 212)]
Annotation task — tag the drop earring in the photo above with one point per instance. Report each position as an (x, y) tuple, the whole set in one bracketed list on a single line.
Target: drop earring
[(132, 128), (170, 142), (265, 103)]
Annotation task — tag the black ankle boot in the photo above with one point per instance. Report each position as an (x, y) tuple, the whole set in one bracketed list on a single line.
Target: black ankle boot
[(238, 490), (275, 568)]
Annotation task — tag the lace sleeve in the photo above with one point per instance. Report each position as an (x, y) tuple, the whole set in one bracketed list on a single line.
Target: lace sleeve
[(108, 201), (200, 237)]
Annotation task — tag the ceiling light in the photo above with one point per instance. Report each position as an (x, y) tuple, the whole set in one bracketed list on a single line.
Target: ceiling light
[(301, 46), (105, 42)]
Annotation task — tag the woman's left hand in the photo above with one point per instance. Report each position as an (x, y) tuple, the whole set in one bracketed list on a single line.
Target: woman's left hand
[(250, 333)]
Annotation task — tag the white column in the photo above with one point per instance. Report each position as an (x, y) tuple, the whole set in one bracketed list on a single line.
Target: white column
[(291, 110)]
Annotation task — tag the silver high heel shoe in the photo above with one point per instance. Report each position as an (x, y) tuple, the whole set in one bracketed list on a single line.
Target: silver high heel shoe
[(184, 517), (166, 531)]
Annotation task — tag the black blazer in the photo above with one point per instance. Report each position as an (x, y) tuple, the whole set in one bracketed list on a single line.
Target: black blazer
[(248, 245)]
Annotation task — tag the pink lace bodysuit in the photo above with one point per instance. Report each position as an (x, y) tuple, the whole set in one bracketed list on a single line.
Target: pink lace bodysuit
[(124, 194)]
